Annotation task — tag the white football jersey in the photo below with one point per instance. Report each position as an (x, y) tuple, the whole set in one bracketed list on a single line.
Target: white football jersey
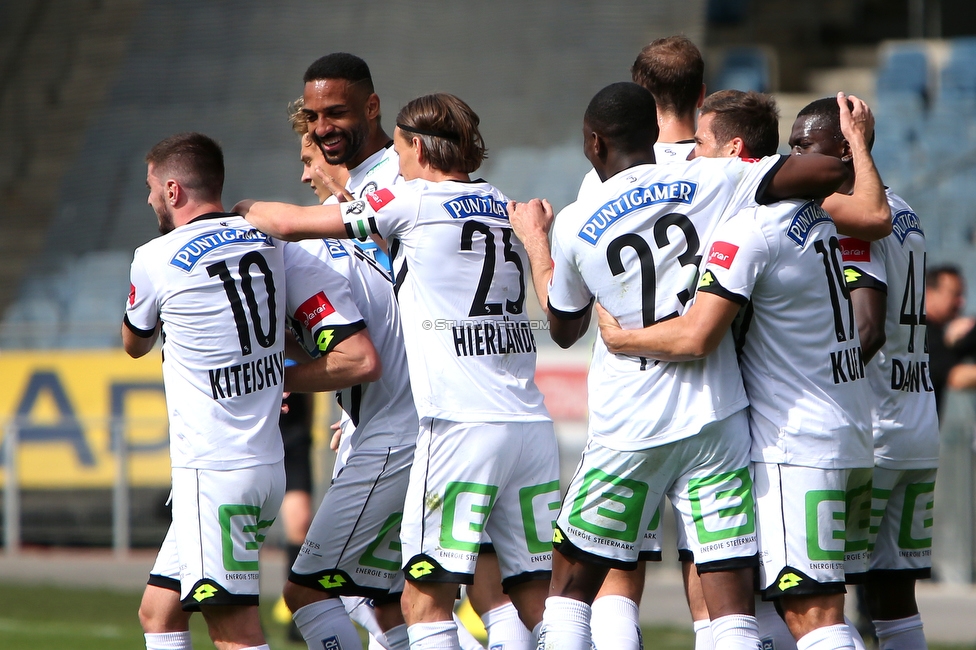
[(217, 285), (334, 290), (634, 245), (906, 426), (462, 290), (664, 154), (800, 353)]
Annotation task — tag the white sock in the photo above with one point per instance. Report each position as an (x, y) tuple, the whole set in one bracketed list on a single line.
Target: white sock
[(901, 634), (396, 638), (169, 641), (362, 613), (324, 620), (703, 634), (465, 638), (772, 627), (858, 641), (441, 635), (506, 630), (614, 624), (735, 632), (565, 625), (832, 637)]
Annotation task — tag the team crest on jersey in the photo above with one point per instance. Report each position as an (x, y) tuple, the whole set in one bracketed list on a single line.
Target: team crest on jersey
[(855, 250), (475, 205), (803, 221), (370, 187), (336, 250), (356, 207), (722, 254), (904, 223), (194, 250), (635, 199), (379, 198), (314, 310)]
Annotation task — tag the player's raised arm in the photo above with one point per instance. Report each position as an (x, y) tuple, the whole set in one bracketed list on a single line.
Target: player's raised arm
[(812, 176), (531, 222), (353, 361), (294, 222), (692, 336), (864, 212)]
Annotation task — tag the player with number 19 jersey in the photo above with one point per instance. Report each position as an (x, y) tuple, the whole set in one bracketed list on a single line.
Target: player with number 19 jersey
[(223, 378), (635, 245), (470, 347)]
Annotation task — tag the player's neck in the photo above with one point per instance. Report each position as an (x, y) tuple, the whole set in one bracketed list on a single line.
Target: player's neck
[(436, 175), (191, 210), (377, 140), (675, 128), (618, 162)]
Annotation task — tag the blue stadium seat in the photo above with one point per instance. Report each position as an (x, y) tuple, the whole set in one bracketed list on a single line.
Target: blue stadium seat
[(744, 68), (905, 70)]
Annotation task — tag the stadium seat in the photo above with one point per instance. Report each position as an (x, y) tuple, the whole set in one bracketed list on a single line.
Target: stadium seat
[(904, 70), (744, 68)]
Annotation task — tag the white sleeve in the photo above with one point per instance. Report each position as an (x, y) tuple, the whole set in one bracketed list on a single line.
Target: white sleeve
[(387, 212), (750, 178), (319, 301), (569, 297), (864, 263), (142, 306), (737, 256)]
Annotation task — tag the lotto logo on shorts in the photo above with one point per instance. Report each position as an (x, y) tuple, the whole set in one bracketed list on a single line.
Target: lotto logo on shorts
[(203, 592), (855, 250), (379, 198), (331, 643), (789, 581), (420, 569), (314, 310), (722, 254)]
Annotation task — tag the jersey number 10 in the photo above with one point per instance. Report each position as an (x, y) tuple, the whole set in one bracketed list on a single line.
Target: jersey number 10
[(264, 339)]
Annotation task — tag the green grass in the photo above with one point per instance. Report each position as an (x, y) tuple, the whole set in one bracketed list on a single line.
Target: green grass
[(52, 618)]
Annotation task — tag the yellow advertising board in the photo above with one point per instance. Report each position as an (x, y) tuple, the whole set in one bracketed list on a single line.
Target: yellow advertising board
[(74, 408)]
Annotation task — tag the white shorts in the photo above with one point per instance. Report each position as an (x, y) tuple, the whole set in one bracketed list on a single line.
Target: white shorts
[(616, 494), (471, 481), (813, 527), (901, 520), (353, 544), (220, 517)]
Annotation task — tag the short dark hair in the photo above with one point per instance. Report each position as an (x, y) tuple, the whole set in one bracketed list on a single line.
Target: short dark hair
[(193, 159), (341, 65), (673, 70), (448, 129), (625, 115), (751, 116), (828, 112), (934, 275)]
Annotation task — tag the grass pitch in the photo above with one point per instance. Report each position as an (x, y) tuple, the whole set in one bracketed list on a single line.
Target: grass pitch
[(53, 618)]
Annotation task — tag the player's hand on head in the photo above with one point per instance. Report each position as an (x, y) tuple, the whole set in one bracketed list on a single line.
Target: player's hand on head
[(336, 435), (243, 207), (857, 122), (609, 328), (334, 186)]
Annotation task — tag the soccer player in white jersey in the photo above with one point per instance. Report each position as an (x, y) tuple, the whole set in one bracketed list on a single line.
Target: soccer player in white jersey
[(217, 287), (887, 282), (486, 456), (342, 309), (641, 236), (803, 369)]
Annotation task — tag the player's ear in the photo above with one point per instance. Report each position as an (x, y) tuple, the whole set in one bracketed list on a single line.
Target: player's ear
[(373, 106), (418, 144), (736, 148), (173, 191), (846, 154)]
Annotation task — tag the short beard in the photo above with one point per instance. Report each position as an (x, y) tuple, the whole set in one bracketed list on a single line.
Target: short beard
[(356, 140), (166, 224)]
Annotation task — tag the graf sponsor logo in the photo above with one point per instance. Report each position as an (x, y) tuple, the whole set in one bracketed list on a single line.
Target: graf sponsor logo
[(379, 198), (191, 252), (855, 250), (314, 310), (722, 254), (635, 199), (803, 221), (905, 223), (475, 205)]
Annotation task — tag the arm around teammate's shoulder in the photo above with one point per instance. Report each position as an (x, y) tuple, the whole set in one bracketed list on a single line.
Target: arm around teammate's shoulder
[(690, 337), (810, 176), (294, 222), (354, 360)]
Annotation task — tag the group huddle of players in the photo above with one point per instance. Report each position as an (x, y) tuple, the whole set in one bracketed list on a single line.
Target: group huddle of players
[(755, 313)]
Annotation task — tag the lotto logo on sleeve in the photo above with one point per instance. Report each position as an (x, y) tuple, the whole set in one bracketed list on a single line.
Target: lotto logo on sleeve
[(379, 198), (722, 254), (855, 250), (314, 310)]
